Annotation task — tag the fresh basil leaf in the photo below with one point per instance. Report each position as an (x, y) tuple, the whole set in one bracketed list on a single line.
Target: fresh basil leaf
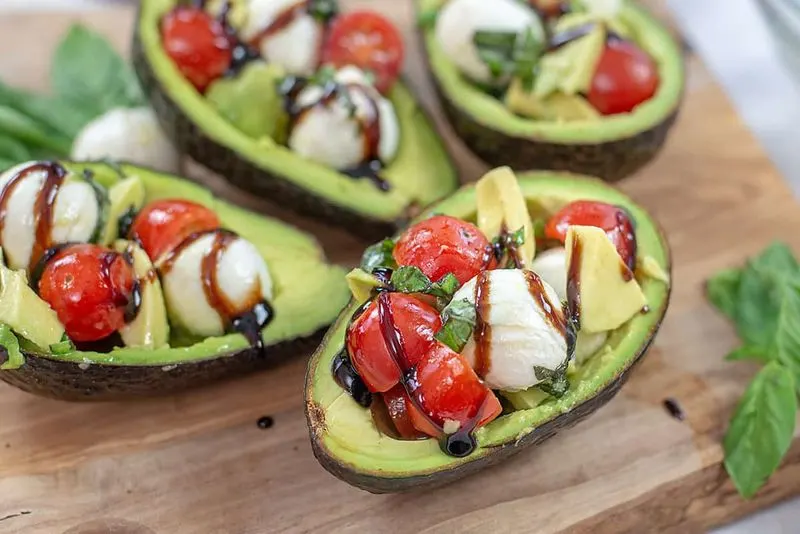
[(89, 73), (458, 321), (787, 336), (762, 428), (6, 163), (553, 382), (723, 291), (56, 115), (748, 352), (517, 239), (13, 150), (427, 18), (323, 10), (378, 256), (446, 287), (16, 124), (758, 305), (777, 258), (409, 279), (65, 346), (527, 51), (11, 357)]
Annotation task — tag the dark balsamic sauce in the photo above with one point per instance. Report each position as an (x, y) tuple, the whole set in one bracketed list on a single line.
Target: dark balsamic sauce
[(241, 53), (257, 312), (567, 36), (371, 164), (349, 380), (554, 314), (38, 269), (483, 330), (107, 344), (42, 207), (625, 221), (4, 356), (574, 283), (674, 408), (265, 422), (125, 222)]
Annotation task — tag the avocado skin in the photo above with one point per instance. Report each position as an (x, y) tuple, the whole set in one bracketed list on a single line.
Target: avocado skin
[(611, 161), (62, 380), (189, 139)]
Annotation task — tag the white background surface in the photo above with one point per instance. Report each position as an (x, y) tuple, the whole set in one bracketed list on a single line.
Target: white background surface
[(733, 40)]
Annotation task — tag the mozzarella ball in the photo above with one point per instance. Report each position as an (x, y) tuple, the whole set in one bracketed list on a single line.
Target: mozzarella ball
[(76, 214), (295, 47), (459, 20), (129, 135), (523, 335), (240, 269), (331, 134)]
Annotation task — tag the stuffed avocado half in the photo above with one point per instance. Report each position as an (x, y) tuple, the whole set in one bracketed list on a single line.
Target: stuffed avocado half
[(280, 113), (543, 295), (118, 281), (586, 86)]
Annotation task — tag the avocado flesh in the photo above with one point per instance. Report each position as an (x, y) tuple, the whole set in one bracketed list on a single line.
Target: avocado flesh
[(491, 113), (420, 173), (299, 272), (347, 442)]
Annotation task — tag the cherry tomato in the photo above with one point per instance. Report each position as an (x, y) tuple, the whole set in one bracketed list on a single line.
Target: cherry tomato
[(198, 45), (625, 77), (450, 389), (442, 245), (399, 406), (614, 220), (88, 287), (163, 224), (368, 41), (417, 323)]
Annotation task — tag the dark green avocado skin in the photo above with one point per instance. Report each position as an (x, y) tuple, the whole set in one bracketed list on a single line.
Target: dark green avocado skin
[(189, 139), (61, 380)]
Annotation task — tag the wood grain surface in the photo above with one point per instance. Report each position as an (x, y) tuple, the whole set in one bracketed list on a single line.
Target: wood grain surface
[(198, 463)]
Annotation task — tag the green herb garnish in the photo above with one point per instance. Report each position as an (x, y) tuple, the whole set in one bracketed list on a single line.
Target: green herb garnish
[(510, 53), (323, 10), (553, 382), (458, 322), (763, 301), (379, 256), (409, 279)]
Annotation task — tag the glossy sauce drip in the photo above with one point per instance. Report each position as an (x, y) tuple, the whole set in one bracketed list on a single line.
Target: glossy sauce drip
[(242, 53), (42, 207), (483, 330), (248, 319), (349, 380), (567, 36), (282, 21), (107, 260), (371, 165), (135, 302), (574, 283), (38, 269), (460, 443), (554, 314), (622, 219), (125, 222), (674, 409)]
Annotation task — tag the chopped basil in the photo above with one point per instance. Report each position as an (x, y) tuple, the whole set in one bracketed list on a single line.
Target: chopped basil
[(323, 10), (409, 279), (510, 53), (458, 321), (553, 382), (379, 256)]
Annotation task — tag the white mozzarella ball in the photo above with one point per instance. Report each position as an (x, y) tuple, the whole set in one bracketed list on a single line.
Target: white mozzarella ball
[(239, 270), (295, 47), (129, 135), (523, 335), (459, 20), (76, 213), (551, 265), (331, 134)]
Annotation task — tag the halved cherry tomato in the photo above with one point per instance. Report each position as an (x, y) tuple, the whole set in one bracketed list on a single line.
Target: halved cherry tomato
[(88, 287), (450, 390), (197, 43), (417, 323), (399, 407), (366, 40), (442, 245), (625, 77), (614, 220), (163, 224)]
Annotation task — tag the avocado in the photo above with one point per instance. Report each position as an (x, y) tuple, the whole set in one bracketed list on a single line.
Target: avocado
[(607, 292), (554, 107), (251, 101), (570, 68), (308, 293), (611, 148), (150, 327), (361, 284), (124, 199), (420, 173), (347, 443)]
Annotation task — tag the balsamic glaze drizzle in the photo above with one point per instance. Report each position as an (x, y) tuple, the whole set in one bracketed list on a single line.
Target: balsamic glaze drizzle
[(349, 380)]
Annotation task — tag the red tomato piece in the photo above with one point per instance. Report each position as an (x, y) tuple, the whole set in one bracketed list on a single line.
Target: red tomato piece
[(417, 323), (163, 224), (444, 244), (399, 407), (197, 43), (625, 77), (614, 220), (368, 41), (88, 287), (450, 389)]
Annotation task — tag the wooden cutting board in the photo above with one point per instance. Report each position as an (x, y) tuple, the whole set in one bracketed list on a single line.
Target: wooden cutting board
[(198, 463)]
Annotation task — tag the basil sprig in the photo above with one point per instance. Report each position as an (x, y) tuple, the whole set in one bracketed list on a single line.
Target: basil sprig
[(763, 301), (409, 279), (458, 322), (379, 256), (553, 382), (510, 54)]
